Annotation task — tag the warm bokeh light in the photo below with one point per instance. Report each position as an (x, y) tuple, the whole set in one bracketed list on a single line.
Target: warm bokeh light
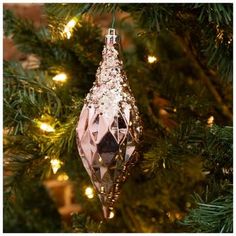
[(71, 23), (62, 77), (62, 177), (111, 215), (69, 27), (89, 192), (152, 59), (46, 127), (56, 165), (210, 121)]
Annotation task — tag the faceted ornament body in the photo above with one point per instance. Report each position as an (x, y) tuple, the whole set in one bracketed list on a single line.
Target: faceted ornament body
[(109, 128)]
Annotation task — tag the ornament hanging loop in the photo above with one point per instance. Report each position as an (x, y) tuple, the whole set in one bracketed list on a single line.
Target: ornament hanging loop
[(111, 38), (113, 16)]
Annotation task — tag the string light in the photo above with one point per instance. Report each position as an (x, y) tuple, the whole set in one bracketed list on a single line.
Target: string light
[(230, 41), (44, 123), (62, 177), (164, 164), (210, 121), (151, 59), (89, 192), (71, 23), (69, 27), (178, 216), (111, 214), (46, 127), (62, 77), (56, 165)]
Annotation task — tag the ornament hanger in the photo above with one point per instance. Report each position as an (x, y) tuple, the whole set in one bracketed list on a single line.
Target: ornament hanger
[(113, 17), (111, 38), (109, 128)]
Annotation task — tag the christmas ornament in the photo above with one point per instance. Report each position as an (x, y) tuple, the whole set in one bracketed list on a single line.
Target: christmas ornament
[(109, 127)]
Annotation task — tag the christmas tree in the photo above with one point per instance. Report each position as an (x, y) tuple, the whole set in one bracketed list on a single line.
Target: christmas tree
[(178, 60)]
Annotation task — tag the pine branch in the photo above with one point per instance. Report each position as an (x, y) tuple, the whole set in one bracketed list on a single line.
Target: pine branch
[(151, 17), (32, 214), (24, 31), (168, 150), (63, 139), (65, 11), (202, 75), (219, 151), (212, 217), (216, 29), (53, 53), (26, 94), (217, 13), (82, 223), (214, 144), (18, 162)]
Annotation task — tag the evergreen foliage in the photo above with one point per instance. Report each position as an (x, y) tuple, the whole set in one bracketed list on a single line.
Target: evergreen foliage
[(215, 216), (183, 181)]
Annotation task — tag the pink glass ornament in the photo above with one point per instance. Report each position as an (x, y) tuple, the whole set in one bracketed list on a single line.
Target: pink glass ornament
[(109, 127)]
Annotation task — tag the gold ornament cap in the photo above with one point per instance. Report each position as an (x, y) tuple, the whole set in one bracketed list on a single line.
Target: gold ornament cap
[(111, 38)]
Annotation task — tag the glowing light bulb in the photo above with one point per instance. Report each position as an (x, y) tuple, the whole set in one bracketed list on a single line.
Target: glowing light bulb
[(62, 77), (210, 121), (46, 127), (68, 34), (111, 214), (69, 27), (89, 192), (178, 216), (164, 164), (71, 23), (152, 59), (56, 165), (102, 189), (62, 177)]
